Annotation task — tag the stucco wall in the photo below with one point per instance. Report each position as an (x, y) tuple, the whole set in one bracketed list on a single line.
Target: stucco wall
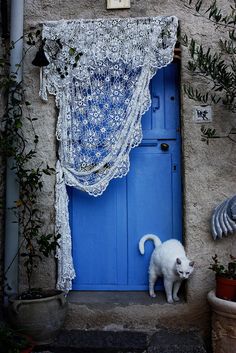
[(208, 171)]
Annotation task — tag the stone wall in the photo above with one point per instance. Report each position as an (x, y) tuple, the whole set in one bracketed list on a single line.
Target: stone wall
[(208, 171)]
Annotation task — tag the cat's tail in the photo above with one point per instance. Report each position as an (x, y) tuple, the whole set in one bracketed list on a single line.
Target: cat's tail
[(152, 237)]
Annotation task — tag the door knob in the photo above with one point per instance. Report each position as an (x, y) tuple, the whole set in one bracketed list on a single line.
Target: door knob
[(164, 146)]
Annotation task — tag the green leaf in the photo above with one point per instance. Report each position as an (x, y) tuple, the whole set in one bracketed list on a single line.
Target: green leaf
[(72, 51), (77, 57), (198, 5), (18, 124)]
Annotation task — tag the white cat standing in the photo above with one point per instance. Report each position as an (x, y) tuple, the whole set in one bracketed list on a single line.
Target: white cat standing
[(169, 261)]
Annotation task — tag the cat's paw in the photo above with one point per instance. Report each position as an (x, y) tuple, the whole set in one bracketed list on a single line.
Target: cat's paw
[(176, 298), (170, 301), (152, 295)]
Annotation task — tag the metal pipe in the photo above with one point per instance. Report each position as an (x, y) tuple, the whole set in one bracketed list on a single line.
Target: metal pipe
[(12, 190)]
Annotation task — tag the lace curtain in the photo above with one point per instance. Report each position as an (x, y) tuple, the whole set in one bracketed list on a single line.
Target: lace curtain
[(99, 72)]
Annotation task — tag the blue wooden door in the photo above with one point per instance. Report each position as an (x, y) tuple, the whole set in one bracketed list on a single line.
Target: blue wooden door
[(106, 229)]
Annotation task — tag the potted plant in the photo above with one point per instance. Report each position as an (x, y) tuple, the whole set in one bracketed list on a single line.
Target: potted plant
[(14, 342), (225, 278), (36, 312), (222, 301)]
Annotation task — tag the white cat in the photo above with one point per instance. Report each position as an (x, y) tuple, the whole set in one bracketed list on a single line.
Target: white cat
[(169, 261)]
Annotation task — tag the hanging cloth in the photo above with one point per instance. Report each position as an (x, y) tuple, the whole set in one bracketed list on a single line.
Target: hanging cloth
[(100, 72)]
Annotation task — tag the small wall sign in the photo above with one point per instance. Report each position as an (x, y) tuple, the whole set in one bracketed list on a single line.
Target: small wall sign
[(118, 4), (202, 114)]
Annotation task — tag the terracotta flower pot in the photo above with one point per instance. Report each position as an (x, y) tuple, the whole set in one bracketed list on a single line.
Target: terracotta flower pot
[(30, 347), (226, 288), (13, 341), (27, 350)]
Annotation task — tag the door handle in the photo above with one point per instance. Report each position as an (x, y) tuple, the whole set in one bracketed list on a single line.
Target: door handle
[(164, 146)]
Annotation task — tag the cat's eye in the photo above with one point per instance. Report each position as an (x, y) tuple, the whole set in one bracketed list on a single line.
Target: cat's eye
[(181, 272), (187, 273)]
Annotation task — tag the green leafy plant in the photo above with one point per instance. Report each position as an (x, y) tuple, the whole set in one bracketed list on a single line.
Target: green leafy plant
[(14, 145), (224, 270), (216, 67)]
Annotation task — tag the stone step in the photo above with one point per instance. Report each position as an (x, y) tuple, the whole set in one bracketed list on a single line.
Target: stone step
[(95, 341)]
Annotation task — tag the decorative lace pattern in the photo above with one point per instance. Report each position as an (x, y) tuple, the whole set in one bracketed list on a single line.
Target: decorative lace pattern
[(100, 72), (66, 272)]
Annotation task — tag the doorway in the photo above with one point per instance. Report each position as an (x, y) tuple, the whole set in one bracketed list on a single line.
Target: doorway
[(106, 229)]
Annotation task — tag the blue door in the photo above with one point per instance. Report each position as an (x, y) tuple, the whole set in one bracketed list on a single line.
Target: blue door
[(106, 229)]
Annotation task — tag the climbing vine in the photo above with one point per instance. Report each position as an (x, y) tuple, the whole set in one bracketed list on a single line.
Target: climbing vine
[(14, 145)]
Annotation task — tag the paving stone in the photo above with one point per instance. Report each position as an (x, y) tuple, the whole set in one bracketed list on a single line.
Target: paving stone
[(91, 341), (176, 342)]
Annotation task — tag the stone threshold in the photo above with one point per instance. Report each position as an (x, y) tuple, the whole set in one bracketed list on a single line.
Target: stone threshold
[(115, 298)]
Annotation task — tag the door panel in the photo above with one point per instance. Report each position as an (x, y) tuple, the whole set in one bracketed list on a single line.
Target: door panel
[(106, 229), (96, 224), (150, 195)]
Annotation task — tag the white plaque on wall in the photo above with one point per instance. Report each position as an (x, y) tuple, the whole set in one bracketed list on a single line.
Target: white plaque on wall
[(118, 4), (202, 114)]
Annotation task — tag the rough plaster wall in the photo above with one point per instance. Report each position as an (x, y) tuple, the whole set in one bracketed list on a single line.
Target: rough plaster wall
[(208, 171)]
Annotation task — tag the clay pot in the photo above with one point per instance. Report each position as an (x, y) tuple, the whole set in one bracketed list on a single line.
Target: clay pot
[(41, 318), (226, 288), (223, 324)]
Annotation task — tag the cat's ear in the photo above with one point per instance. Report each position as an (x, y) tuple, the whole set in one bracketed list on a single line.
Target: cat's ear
[(178, 261), (191, 263)]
